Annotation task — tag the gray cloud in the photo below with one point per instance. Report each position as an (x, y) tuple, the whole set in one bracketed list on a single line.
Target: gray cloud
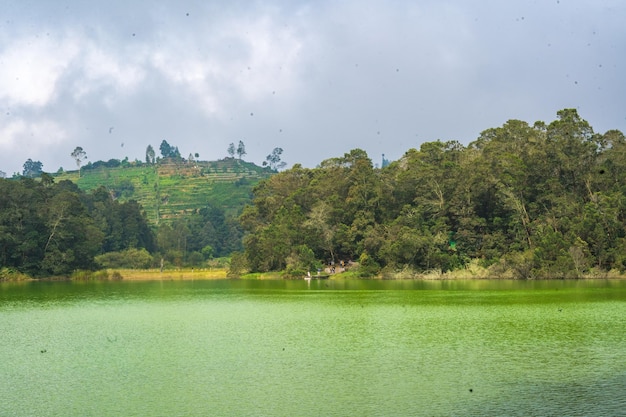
[(315, 78)]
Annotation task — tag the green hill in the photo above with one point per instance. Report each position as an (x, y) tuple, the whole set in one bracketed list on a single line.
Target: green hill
[(173, 188)]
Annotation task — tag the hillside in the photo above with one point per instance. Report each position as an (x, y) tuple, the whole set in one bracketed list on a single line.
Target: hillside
[(169, 189)]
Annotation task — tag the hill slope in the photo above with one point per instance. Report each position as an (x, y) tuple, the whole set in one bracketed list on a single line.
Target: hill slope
[(170, 189)]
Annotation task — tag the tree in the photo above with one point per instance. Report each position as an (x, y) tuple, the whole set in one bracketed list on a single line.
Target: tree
[(79, 156), (47, 179), (165, 149), (72, 238), (168, 151), (573, 150), (237, 266), (231, 150), (241, 150), (319, 221), (150, 156), (273, 160), (32, 169)]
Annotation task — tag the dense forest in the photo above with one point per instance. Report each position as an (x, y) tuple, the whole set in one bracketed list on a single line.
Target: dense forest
[(524, 201), (55, 229), (521, 201)]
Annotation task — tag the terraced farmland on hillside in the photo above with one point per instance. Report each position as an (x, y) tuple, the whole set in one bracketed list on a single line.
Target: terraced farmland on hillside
[(169, 190)]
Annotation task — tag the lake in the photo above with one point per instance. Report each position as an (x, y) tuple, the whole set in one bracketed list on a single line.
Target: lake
[(318, 348)]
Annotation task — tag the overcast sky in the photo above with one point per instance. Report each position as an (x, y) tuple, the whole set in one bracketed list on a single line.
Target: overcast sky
[(316, 78)]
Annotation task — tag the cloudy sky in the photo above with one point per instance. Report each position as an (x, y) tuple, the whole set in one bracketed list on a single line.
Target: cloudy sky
[(316, 78)]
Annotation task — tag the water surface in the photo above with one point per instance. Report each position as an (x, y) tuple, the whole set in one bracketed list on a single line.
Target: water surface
[(287, 348)]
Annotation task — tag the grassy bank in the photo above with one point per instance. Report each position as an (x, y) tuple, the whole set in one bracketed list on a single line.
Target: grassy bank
[(169, 274), (149, 274), (473, 270), (189, 274), (9, 274)]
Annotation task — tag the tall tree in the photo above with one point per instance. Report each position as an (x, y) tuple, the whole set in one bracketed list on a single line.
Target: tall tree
[(72, 238), (241, 150), (231, 150), (150, 155), (573, 149), (79, 156), (273, 160), (166, 149), (32, 169)]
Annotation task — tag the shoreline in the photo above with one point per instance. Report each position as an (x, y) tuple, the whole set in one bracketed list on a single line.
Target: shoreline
[(184, 274), (211, 274)]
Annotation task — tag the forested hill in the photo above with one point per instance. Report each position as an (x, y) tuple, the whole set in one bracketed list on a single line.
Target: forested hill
[(546, 200), (173, 187), (524, 201), (124, 215)]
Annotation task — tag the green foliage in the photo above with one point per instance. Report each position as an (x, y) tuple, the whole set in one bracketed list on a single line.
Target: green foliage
[(521, 264), (11, 274), (131, 258), (171, 189), (49, 228), (168, 151), (273, 160), (207, 252), (84, 275), (194, 238), (218, 263), (79, 155), (241, 150), (540, 201), (124, 189), (32, 169), (525, 201), (300, 261), (238, 265), (113, 210), (231, 150), (150, 155), (368, 266), (195, 259)]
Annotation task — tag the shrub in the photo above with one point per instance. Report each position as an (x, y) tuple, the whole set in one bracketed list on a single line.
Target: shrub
[(238, 265), (84, 275), (369, 267), (10, 274), (290, 273), (130, 258)]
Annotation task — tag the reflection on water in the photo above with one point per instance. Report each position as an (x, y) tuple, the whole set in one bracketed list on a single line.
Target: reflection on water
[(320, 348)]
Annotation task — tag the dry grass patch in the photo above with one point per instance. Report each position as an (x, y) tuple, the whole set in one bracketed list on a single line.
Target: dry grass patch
[(170, 274)]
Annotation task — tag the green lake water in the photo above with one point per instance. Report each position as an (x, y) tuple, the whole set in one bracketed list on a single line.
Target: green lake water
[(319, 348)]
